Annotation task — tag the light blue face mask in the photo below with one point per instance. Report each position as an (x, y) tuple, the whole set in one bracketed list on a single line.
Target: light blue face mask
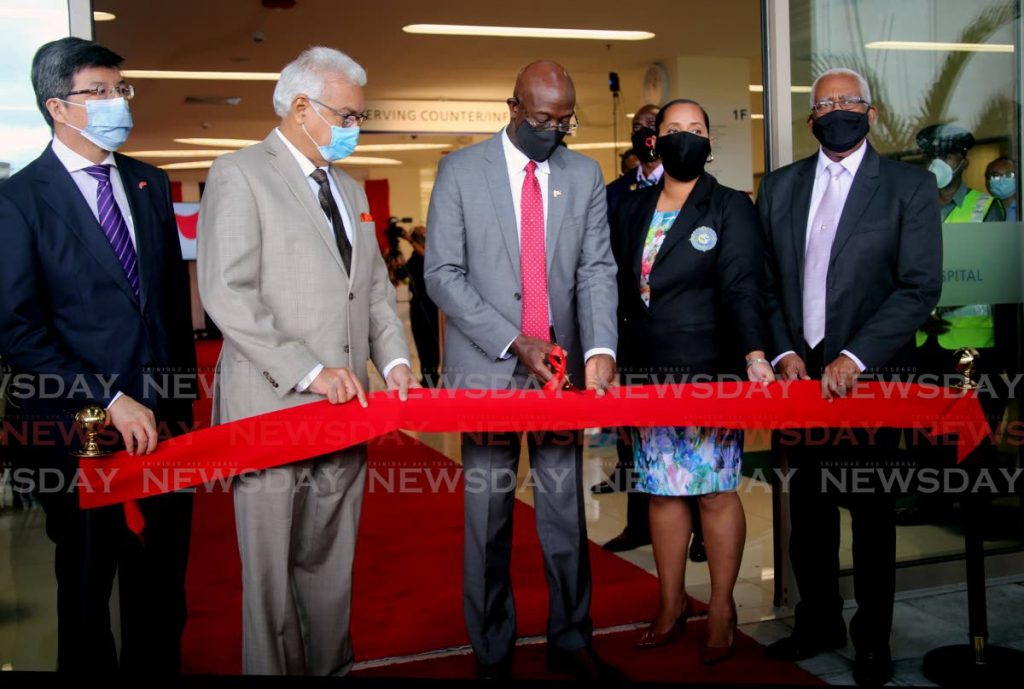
[(1002, 187), (943, 172), (109, 122), (343, 141)]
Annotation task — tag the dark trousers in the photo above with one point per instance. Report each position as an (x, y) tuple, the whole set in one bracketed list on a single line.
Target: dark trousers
[(93, 545), (424, 318), (823, 459)]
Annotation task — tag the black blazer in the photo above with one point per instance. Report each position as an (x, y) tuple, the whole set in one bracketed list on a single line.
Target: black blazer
[(67, 309), (706, 307), (885, 274)]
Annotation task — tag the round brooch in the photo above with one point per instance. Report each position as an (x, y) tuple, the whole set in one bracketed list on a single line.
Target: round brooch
[(704, 238)]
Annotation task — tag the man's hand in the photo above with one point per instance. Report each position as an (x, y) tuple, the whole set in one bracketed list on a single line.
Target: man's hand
[(792, 367), (533, 353), (600, 373), (339, 385), (136, 424), (400, 378), (839, 377)]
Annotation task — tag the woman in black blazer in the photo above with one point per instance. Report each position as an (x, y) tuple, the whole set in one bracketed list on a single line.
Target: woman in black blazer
[(690, 306)]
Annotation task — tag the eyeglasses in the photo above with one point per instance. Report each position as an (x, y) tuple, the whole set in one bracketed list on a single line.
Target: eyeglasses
[(348, 119), (1001, 175), (843, 103), (551, 125), (126, 91)]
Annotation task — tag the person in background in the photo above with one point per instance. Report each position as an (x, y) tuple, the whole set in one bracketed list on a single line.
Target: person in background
[(628, 161), (690, 254), (93, 291), (423, 313), (648, 172), (854, 255), (946, 145), (291, 271), (1001, 182)]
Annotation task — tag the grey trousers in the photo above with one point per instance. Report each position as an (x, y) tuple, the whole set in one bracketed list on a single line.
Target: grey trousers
[(297, 527), (490, 463)]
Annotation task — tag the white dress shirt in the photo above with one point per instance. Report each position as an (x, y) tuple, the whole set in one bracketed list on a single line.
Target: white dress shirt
[(87, 184), (821, 178), (654, 177), (516, 161), (307, 167)]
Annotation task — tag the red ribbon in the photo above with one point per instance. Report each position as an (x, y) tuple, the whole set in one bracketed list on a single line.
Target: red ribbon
[(216, 454)]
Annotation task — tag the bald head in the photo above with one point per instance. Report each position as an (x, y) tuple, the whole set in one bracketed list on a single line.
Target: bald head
[(544, 77), (544, 98)]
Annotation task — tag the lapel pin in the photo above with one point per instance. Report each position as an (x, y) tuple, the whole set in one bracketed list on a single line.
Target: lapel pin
[(557, 193), (143, 184)]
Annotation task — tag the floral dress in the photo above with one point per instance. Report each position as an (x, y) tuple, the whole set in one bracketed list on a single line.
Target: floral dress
[(690, 460)]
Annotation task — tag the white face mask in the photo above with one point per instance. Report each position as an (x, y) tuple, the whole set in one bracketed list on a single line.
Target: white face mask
[(943, 172)]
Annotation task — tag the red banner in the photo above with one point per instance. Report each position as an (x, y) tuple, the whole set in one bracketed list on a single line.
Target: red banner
[(215, 454)]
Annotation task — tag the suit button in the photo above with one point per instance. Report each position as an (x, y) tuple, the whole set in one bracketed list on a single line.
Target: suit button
[(275, 385), (351, 296), (346, 349), (518, 296)]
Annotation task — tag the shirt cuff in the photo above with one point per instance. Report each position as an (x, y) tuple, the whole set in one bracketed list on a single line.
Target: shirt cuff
[(780, 357), (304, 384), (396, 362), (505, 354), (860, 364), (117, 396), (598, 350)]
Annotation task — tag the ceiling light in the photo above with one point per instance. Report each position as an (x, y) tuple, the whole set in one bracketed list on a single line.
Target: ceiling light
[(207, 76), (598, 146), (384, 148), (231, 143), (939, 46), (191, 165), (758, 88), (630, 115), (756, 116), (367, 160), (103, 16), (180, 153), (526, 32)]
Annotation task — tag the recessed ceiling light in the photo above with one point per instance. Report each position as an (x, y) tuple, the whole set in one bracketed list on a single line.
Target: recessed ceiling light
[(386, 148), (180, 153), (205, 76), (756, 116), (526, 32), (758, 88), (191, 165), (230, 143), (367, 160), (103, 16), (939, 46)]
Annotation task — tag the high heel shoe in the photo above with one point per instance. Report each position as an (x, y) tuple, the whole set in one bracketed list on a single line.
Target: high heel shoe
[(712, 655), (651, 639)]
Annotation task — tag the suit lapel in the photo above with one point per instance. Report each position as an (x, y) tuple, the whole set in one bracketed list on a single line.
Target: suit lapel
[(353, 216), (558, 188), (282, 161), (864, 185), (501, 197), (144, 223), (693, 208), (801, 206), (64, 197)]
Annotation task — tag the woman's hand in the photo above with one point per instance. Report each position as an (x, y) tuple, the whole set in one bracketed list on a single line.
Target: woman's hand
[(759, 369)]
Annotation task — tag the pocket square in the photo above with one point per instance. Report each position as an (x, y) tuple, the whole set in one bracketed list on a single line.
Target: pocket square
[(365, 217)]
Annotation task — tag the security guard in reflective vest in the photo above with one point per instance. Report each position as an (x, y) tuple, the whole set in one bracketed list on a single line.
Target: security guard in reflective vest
[(947, 145)]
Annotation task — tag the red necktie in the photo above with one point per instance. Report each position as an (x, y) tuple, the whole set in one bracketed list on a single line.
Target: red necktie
[(533, 258)]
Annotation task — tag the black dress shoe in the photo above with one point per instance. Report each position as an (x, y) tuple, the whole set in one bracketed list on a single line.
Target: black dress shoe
[(582, 664), (627, 541), (872, 668), (801, 646), (697, 551)]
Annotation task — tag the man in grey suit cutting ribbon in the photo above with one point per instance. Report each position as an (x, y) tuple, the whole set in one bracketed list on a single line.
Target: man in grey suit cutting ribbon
[(518, 259), (290, 271)]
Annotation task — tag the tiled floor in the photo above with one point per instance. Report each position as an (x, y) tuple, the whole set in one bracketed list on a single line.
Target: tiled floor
[(924, 620)]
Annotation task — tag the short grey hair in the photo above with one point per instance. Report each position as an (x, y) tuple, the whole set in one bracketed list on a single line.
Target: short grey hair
[(862, 83), (306, 74)]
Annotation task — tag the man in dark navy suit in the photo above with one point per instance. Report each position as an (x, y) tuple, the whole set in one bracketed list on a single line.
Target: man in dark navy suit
[(855, 267), (94, 308)]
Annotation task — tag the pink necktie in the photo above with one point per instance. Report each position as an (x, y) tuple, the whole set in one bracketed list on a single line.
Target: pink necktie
[(819, 249), (533, 258)]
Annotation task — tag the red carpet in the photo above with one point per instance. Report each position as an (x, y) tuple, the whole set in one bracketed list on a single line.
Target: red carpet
[(407, 581)]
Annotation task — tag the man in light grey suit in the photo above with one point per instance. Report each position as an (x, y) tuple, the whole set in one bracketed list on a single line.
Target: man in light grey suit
[(518, 258), (290, 272)]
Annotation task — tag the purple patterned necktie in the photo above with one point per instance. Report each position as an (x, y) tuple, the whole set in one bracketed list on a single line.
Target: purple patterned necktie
[(819, 249), (113, 224)]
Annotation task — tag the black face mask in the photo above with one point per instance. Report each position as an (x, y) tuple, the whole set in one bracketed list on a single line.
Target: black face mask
[(841, 130), (643, 144), (538, 146), (683, 154)]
